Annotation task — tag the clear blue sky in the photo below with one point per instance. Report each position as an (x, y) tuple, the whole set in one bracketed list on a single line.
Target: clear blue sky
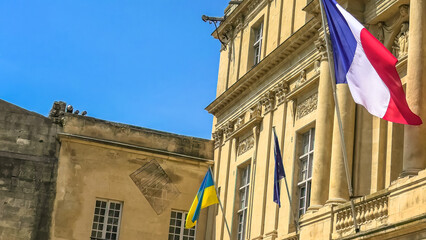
[(147, 63)]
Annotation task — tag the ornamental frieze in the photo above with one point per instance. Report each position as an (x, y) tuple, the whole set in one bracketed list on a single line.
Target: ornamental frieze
[(245, 145), (307, 106)]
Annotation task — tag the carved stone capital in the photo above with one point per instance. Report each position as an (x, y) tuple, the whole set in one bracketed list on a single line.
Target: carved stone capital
[(280, 91), (322, 48), (217, 137), (268, 101), (228, 129)]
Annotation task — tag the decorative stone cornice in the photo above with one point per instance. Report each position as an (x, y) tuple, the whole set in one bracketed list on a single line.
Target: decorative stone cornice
[(239, 126), (268, 101), (375, 8), (270, 63), (313, 8)]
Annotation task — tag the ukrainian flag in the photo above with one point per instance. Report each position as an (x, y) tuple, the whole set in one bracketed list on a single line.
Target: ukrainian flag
[(206, 196)]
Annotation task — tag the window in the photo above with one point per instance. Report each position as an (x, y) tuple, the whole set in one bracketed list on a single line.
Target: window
[(243, 192), (177, 230), (106, 222), (305, 176), (257, 46)]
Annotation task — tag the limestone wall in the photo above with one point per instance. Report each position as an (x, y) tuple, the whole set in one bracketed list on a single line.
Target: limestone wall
[(28, 161)]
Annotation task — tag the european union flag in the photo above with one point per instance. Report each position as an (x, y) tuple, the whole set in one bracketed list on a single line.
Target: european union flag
[(205, 197), (279, 170)]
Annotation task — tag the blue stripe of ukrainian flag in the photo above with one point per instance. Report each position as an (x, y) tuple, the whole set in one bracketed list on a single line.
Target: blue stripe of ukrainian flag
[(205, 197)]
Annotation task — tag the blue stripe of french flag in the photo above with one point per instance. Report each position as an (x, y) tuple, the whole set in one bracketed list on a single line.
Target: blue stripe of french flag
[(367, 67)]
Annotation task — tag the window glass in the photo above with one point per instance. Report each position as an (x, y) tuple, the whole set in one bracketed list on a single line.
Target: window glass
[(305, 161), (177, 230), (106, 220)]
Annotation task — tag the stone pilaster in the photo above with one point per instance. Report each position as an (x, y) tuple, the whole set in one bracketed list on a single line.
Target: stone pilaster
[(260, 181), (338, 188), (323, 131), (415, 136)]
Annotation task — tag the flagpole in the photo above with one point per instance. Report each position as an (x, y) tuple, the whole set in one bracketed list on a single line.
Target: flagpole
[(339, 119), (288, 194), (220, 205), (291, 209)]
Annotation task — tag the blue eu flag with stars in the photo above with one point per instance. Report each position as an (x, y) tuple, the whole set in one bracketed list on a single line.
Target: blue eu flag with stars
[(279, 170)]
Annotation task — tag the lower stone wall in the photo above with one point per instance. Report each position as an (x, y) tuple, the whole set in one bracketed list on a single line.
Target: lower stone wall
[(27, 191)]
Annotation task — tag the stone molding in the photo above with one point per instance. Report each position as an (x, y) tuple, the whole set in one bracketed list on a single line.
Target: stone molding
[(375, 8), (239, 126), (291, 236), (271, 235)]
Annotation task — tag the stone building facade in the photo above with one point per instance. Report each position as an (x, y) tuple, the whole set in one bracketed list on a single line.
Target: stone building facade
[(274, 73), (117, 181), (69, 176)]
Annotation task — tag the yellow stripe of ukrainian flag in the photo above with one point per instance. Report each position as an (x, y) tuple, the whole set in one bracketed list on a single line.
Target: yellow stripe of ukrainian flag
[(208, 194)]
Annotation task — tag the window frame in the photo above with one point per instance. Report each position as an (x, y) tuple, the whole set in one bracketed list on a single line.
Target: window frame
[(304, 182), (244, 191), (257, 44), (106, 217), (181, 227)]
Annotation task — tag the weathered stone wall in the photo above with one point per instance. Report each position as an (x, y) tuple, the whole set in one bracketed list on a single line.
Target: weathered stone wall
[(28, 163), (149, 138)]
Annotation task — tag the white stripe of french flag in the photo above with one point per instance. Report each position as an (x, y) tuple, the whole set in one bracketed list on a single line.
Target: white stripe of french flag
[(367, 67)]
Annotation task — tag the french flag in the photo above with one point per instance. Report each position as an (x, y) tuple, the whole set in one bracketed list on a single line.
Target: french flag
[(367, 67)]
